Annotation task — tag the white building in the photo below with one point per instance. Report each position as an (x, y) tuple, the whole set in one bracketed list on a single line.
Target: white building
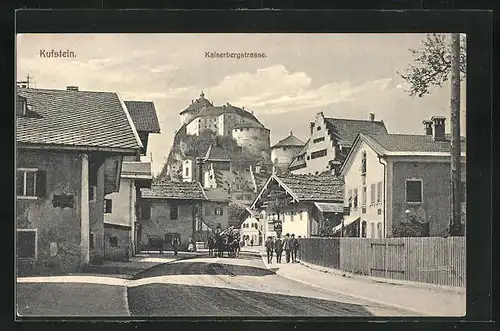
[(330, 141), (283, 152)]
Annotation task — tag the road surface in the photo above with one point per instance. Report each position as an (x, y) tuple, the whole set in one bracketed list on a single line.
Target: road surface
[(203, 286)]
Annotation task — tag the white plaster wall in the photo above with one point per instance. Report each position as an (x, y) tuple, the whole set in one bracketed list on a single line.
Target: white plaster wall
[(353, 180)]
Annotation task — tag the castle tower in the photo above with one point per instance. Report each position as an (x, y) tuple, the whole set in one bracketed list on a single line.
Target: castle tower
[(285, 150), (193, 109)]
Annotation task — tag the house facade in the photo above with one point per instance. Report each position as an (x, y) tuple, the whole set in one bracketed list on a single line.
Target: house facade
[(329, 142), (120, 208), (63, 174), (390, 177), (288, 203), (180, 209)]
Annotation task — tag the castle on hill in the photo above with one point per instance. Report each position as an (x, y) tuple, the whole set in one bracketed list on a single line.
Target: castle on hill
[(226, 120)]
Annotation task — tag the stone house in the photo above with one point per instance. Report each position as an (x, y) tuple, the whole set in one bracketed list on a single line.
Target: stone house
[(120, 211), (180, 209), (329, 142), (290, 203), (389, 177), (70, 146)]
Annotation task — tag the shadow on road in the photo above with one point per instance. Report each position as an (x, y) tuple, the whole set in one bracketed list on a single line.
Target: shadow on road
[(186, 300), (202, 268)]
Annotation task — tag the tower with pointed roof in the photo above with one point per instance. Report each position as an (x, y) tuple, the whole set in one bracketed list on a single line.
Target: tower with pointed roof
[(284, 151)]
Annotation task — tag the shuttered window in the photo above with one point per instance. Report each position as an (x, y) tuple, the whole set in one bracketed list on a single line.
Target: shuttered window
[(413, 190), (26, 243), (372, 193)]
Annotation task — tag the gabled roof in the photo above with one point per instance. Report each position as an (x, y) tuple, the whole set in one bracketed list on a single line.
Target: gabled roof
[(290, 141), (144, 116), (211, 110), (136, 170), (346, 130), (403, 145), (174, 191), (77, 119), (411, 143), (216, 153), (308, 188), (197, 104)]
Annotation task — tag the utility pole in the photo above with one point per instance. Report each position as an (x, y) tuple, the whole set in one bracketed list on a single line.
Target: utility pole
[(455, 199)]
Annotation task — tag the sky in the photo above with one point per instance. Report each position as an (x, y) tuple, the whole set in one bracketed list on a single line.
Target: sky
[(342, 75)]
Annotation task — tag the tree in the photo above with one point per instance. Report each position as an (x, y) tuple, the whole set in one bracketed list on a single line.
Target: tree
[(432, 64), (437, 59)]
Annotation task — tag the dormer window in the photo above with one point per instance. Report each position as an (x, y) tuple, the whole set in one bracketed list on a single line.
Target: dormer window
[(21, 106)]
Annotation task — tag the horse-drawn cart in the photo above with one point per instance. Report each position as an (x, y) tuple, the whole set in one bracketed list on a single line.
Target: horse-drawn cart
[(227, 241)]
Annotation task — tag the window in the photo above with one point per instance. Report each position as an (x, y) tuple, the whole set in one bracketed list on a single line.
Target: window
[(349, 198), (292, 214), (91, 240), (363, 163), (355, 198), (317, 140), (318, 128), (218, 211), (146, 211), (379, 192), (363, 229), (379, 230), (372, 194), (30, 183), (363, 196), (300, 215), (308, 157), (92, 190), (174, 212), (372, 230), (414, 190), (463, 192), (187, 171), (108, 206), (317, 154), (113, 241), (27, 243)]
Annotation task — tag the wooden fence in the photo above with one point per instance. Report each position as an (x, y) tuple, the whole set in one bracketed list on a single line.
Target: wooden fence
[(431, 260)]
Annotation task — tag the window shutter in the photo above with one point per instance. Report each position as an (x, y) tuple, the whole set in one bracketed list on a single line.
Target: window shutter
[(41, 183)]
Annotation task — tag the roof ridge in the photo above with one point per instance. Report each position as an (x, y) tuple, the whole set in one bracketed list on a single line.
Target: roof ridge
[(354, 119)]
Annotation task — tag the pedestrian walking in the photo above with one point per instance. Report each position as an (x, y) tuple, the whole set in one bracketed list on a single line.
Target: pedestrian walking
[(210, 243), (175, 245), (269, 249), (295, 248), (278, 248), (287, 246)]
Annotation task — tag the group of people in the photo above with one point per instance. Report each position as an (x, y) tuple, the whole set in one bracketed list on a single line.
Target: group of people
[(289, 244), (229, 243)]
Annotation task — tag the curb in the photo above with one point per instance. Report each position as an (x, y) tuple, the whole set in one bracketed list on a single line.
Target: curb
[(388, 281)]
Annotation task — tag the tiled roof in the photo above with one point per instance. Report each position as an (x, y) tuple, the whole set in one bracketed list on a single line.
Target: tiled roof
[(76, 118), (144, 116), (174, 191), (345, 131), (197, 104), (216, 194), (136, 169), (215, 152), (323, 187), (219, 110), (290, 141), (296, 163), (411, 143)]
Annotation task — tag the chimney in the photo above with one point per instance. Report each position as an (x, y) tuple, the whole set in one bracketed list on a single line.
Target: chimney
[(312, 127), (439, 127), (71, 88), (372, 117), (428, 127)]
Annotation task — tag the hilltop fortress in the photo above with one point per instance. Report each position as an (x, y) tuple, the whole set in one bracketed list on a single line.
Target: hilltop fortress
[(226, 120), (203, 123)]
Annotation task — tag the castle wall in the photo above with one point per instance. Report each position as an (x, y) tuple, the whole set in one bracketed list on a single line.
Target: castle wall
[(253, 140)]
